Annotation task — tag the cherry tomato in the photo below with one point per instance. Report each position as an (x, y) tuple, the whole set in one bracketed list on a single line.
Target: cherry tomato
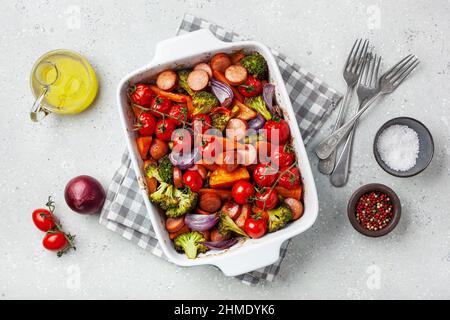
[(290, 179), (141, 94), (252, 87), (282, 156), (146, 124), (43, 219), (265, 175), (255, 228), (268, 196), (179, 111), (182, 140), (55, 241), (278, 127), (202, 122), (209, 148), (164, 129), (242, 192), (160, 104), (193, 180)]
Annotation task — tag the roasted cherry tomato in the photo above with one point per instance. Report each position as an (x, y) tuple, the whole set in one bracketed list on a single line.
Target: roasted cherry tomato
[(182, 140), (277, 127), (141, 94), (55, 241), (180, 112), (202, 122), (290, 179), (268, 196), (252, 87), (242, 192), (282, 156), (43, 219), (265, 175), (209, 148), (161, 105), (164, 129), (255, 228), (146, 124), (193, 180)]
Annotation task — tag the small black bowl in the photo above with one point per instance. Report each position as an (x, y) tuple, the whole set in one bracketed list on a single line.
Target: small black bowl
[(351, 209), (426, 147)]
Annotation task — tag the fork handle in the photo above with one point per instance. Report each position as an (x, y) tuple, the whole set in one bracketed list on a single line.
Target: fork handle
[(329, 144)]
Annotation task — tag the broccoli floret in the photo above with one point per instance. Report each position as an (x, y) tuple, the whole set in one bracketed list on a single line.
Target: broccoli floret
[(182, 81), (152, 172), (189, 243), (220, 120), (278, 218), (227, 224), (186, 201), (257, 103), (204, 102), (163, 196), (256, 65), (165, 170)]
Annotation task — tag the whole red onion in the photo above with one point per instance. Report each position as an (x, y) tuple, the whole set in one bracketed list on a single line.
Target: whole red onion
[(84, 194)]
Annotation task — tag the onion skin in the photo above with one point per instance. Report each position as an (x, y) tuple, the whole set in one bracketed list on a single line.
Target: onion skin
[(268, 94), (184, 162), (257, 123), (200, 222), (85, 195), (223, 92), (219, 245)]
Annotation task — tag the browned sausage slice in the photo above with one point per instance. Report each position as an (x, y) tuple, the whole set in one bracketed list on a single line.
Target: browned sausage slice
[(205, 67), (177, 178), (236, 74), (216, 236), (167, 80), (220, 62), (174, 224), (296, 207), (210, 202), (198, 80)]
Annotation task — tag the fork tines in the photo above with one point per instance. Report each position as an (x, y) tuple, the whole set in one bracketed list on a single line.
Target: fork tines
[(402, 69)]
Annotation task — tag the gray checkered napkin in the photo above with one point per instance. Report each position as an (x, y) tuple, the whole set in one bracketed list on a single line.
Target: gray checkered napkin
[(124, 211)]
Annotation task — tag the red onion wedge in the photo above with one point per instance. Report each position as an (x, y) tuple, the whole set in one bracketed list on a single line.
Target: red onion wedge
[(257, 123), (220, 245), (184, 161), (201, 222), (223, 92), (268, 96)]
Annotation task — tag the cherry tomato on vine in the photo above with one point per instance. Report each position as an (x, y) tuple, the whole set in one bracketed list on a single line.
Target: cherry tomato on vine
[(193, 180), (55, 241), (242, 192), (43, 219), (146, 124), (268, 196), (282, 156), (182, 140), (290, 179), (180, 112), (201, 122), (255, 228), (161, 105), (164, 129), (252, 87), (277, 128), (265, 175), (141, 94)]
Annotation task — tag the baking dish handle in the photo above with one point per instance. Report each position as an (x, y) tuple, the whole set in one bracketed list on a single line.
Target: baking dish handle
[(189, 44), (246, 261)]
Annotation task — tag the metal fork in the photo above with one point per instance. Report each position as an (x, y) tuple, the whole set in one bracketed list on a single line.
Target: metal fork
[(352, 70), (368, 87), (388, 83)]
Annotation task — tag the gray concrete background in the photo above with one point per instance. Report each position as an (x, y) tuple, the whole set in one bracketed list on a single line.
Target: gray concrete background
[(331, 260)]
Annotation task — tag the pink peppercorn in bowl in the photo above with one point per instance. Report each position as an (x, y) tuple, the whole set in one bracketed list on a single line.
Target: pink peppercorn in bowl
[(374, 210)]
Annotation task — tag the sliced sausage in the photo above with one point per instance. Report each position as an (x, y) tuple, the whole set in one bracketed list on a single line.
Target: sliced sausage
[(205, 67), (295, 206), (197, 80), (184, 229), (174, 224), (220, 62), (216, 236), (236, 74), (206, 234), (177, 178), (210, 202), (158, 149), (232, 209), (167, 80)]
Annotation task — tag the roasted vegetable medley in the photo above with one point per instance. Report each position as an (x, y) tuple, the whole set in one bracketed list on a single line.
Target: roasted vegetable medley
[(218, 154)]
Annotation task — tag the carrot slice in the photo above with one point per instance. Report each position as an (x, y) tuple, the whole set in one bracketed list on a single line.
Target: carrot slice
[(173, 235), (143, 144), (237, 56), (245, 113), (295, 193), (219, 76), (177, 97)]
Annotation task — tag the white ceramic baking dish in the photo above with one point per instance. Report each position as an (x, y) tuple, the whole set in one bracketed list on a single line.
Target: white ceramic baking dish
[(187, 50)]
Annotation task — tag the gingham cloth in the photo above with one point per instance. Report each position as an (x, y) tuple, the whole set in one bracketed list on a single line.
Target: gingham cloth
[(124, 211)]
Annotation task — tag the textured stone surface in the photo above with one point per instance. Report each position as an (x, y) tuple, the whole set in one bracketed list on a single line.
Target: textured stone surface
[(331, 260)]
